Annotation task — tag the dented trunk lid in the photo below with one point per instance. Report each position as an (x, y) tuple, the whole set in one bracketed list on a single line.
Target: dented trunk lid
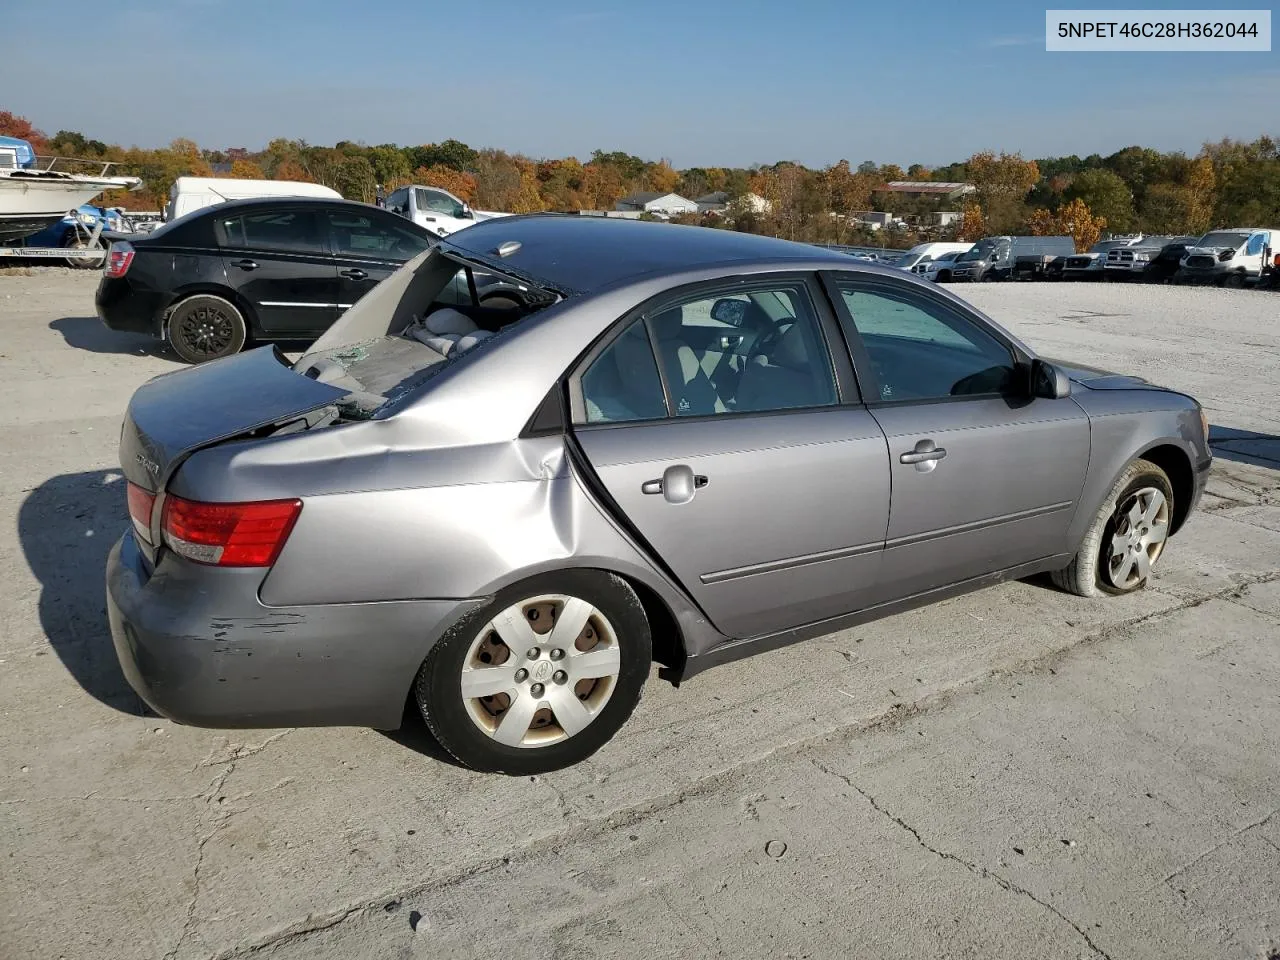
[(172, 416)]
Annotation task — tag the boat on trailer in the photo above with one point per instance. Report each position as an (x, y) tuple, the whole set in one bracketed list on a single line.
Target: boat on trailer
[(36, 192)]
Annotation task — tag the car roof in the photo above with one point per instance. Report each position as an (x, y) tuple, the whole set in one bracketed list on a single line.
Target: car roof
[(284, 199), (575, 254)]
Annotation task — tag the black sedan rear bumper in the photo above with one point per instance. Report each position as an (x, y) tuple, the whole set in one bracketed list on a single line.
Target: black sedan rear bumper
[(121, 306)]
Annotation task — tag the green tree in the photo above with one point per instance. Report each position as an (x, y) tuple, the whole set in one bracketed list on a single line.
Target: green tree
[(1106, 195)]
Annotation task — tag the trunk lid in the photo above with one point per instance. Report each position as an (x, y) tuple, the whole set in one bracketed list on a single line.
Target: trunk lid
[(172, 416)]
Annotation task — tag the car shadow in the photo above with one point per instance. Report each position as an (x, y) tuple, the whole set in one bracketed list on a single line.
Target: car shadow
[(414, 735), (66, 527), (1245, 446), (89, 333)]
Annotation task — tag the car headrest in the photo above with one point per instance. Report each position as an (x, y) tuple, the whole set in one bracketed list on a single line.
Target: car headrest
[(448, 320)]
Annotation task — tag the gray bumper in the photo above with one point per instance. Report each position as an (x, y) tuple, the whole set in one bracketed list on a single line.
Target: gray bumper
[(200, 648)]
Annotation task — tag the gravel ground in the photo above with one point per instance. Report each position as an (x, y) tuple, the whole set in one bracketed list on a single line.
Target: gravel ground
[(1009, 774)]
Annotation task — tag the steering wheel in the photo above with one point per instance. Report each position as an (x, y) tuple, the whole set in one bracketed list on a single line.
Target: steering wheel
[(768, 341)]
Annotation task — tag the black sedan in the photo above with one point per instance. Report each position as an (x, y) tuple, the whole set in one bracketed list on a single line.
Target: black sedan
[(274, 269)]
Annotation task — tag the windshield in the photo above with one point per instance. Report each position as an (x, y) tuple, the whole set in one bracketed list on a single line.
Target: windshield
[(979, 252), (1223, 238), (911, 259), (1102, 246)]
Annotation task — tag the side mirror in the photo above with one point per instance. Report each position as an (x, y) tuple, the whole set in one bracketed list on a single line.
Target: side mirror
[(466, 213), (1048, 381), (730, 311)]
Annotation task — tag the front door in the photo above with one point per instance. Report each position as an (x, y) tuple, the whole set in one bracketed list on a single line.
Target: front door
[(740, 455), (276, 259), (368, 246), (438, 211), (984, 476)]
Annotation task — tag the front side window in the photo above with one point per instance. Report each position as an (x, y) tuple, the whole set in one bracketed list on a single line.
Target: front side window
[(1255, 245), (289, 231), (435, 201), (920, 350), (358, 235)]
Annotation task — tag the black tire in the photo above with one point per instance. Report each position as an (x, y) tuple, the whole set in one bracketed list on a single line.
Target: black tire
[(1233, 281), (439, 698), (1086, 575), (501, 302), (205, 327)]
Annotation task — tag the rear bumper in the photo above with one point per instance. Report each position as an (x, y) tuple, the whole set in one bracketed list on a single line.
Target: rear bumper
[(123, 307), (200, 648)]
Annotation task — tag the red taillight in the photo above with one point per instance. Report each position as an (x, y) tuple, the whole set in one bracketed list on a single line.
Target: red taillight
[(119, 258), (140, 504), (229, 534)]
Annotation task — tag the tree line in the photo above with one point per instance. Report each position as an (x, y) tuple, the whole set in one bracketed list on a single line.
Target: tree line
[(1227, 183)]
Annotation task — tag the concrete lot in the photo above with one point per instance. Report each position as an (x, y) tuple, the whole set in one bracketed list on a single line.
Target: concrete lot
[(1017, 773)]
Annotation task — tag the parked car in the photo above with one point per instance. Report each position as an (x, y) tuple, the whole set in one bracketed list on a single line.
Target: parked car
[(509, 531), (189, 194), (993, 258), (263, 271), (436, 210), (938, 269), (81, 229), (1133, 262), (1166, 266), (1090, 264), (1230, 257), (924, 252)]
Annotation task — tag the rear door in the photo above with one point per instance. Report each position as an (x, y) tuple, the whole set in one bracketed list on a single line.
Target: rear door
[(276, 258), (368, 246), (984, 476), (725, 425)]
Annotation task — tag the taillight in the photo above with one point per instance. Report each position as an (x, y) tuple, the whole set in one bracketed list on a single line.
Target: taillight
[(229, 534), (141, 503), (119, 258)]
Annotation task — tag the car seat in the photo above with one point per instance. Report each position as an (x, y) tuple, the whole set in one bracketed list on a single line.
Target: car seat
[(448, 332), (692, 391)]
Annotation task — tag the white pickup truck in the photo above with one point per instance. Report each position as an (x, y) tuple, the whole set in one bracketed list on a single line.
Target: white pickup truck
[(437, 210)]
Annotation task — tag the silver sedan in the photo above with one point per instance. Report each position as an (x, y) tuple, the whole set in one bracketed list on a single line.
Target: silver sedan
[(688, 446)]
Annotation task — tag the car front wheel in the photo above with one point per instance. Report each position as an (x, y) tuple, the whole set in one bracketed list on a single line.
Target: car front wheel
[(542, 677), (1127, 536)]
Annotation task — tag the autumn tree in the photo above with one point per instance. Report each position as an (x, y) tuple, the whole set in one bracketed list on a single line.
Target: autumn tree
[(12, 125), (461, 185), (1072, 219), (246, 170), (973, 225), (1003, 182)]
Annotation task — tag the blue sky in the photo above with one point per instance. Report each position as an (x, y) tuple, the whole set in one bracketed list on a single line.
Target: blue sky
[(720, 82)]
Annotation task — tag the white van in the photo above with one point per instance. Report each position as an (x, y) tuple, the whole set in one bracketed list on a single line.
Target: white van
[(1231, 256), (193, 193), (929, 251)]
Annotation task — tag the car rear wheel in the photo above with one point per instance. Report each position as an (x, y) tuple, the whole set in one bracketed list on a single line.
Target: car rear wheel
[(205, 327), (1127, 536), (542, 677)]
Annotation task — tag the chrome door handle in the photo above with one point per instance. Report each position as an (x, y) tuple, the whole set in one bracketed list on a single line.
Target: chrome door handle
[(247, 264), (677, 484), (925, 456), (355, 274)]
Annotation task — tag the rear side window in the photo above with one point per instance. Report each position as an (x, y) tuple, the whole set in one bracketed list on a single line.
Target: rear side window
[(289, 231), (622, 384), (360, 235)]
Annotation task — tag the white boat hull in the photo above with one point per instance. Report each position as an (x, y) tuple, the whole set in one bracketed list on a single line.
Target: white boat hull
[(30, 202)]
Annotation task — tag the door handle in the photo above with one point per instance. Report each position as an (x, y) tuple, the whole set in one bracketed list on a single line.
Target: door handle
[(677, 484), (246, 264), (354, 274), (925, 456)]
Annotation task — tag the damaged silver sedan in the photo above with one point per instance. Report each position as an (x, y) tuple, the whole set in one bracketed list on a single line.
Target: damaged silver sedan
[(686, 447)]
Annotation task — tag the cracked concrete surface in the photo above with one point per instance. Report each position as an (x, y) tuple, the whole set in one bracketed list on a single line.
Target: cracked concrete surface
[(1012, 773)]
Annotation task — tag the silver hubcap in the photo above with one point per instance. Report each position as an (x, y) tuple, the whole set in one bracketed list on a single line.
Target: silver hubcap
[(1141, 528), (540, 671)]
